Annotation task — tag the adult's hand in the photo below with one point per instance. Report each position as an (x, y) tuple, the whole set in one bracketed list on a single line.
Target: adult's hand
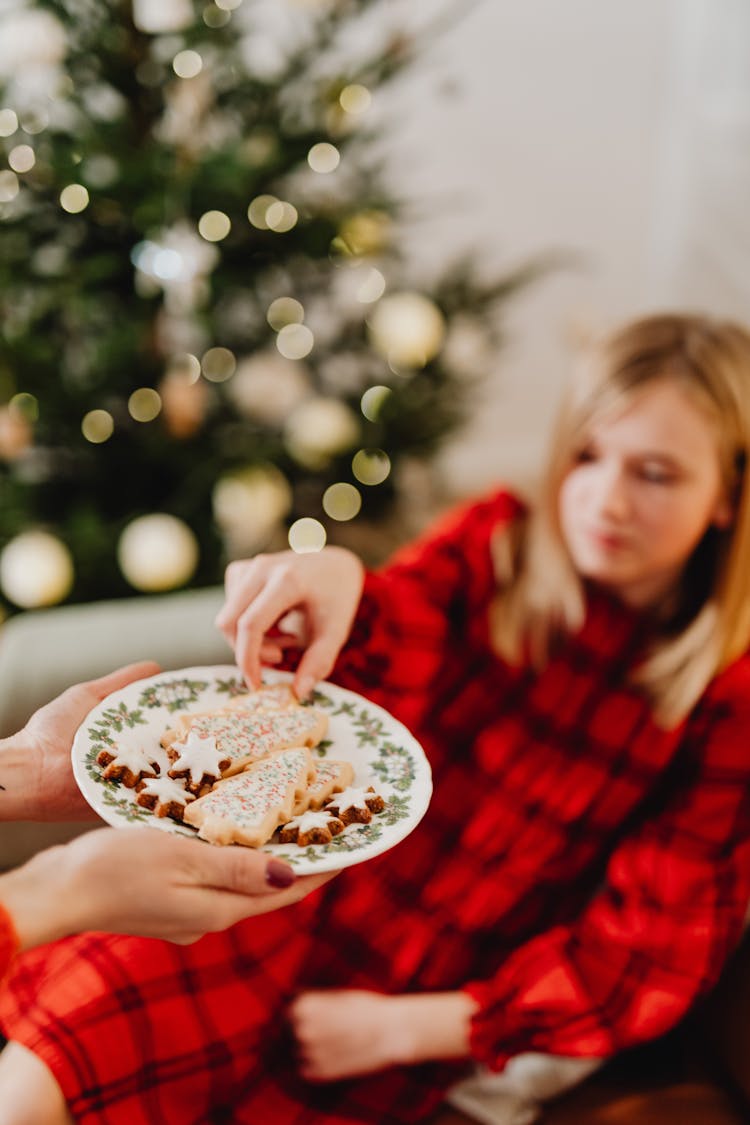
[(35, 770), (324, 588), (146, 882)]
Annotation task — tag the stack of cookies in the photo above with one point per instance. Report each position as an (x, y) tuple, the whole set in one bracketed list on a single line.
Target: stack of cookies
[(240, 772)]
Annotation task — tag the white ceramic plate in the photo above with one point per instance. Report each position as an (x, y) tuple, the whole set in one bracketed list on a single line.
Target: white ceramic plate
[(382, 751)]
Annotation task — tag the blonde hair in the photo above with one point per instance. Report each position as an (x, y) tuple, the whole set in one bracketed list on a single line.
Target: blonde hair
[(541, 595)]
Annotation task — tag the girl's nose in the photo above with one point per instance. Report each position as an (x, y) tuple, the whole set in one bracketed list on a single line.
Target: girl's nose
[(612, 496)]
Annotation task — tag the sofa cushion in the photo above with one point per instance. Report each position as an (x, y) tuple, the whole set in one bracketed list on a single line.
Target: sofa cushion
[(44, 651)]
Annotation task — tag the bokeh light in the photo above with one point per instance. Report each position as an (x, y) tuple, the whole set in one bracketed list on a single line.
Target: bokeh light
[(307, 535), (186, 365), (281, 217), (98, 426), (157, 552), (214, 225), (342, 501), (144, 404), (373, 400), (371, 288), (27, 406), (22, 158), (283, 311), (36, 569), (366, 232), (258, 209), (371, 466), (35, 121), (355, 99), (8, 122), (218, 364), (74, 198), (324, 157), (295, 341), (187, 64), (8, 186), (214, 16)]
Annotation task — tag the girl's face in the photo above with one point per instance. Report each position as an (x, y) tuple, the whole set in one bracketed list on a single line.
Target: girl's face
[(643, 489)]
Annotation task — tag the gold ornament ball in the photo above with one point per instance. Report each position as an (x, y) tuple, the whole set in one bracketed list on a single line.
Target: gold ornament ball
[(268, 387), (407, 328), (157, 552), (36, 569), (249, 504), (319, 429), (366, 233)]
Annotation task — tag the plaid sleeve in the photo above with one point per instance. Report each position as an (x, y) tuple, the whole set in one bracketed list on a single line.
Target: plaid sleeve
[(658, 932), (416, 606), (10, 942)]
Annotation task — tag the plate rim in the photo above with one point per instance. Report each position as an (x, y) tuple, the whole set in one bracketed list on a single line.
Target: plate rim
[(330, 861)]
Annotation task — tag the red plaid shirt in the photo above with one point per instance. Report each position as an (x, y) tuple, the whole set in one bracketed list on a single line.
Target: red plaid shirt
[(581, 871)]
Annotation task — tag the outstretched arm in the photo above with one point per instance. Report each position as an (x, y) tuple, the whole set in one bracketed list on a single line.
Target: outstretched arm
[(147, 882), (385, 631), (137, 881)]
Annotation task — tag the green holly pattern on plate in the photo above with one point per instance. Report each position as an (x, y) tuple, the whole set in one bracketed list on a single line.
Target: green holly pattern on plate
[(175, 695), (382, 752)]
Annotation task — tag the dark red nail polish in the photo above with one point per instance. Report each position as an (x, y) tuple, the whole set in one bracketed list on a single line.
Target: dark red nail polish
[(279, 874)]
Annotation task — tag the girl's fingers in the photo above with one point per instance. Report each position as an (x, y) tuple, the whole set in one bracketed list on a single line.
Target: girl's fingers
[(243, 582), (316, 663), (271, 603)]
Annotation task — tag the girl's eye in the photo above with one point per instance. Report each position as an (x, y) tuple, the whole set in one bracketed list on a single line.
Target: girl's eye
[(655, 474), (584, 456)]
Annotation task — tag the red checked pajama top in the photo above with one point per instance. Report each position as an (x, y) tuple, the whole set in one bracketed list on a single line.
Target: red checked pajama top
[(581, 871)]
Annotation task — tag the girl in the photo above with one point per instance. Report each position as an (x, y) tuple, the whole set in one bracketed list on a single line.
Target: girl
[(577, 674)]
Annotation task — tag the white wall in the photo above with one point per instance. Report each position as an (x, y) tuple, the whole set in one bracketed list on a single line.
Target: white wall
[(617, 129)]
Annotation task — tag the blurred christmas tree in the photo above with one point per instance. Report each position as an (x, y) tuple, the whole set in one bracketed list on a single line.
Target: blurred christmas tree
[(206, 334)]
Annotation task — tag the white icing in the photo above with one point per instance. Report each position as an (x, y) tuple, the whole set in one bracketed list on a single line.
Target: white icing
[(167, 789), (133, 758), (309, 820), (327, 772), (199, 755), (351, 798), (270, 697), (247, 798), (247, 735)]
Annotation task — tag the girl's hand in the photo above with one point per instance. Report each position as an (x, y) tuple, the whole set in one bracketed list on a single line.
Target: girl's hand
[(343, 1033), (146, 882), (323, 587)]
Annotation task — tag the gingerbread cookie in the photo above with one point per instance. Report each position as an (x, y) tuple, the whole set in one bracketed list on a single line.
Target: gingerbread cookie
[(198, 759), (244, 737), (248, 808), (128, 764), (311, 828), (330, 777), (356, 806), (164, 796)]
